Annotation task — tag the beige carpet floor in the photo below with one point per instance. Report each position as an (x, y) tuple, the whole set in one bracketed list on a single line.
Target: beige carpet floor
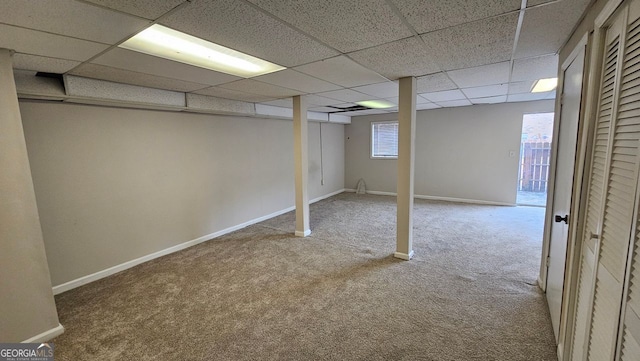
[(259, 293)]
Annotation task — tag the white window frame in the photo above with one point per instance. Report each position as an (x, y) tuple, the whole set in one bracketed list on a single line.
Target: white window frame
[(371, 140)]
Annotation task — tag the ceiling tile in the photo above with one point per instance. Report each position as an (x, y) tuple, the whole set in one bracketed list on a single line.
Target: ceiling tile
[(425, 106), (406, 57), (481, 75), (421, 100), (395, 100), (552, 95), (255, 87), (42, 63), (525, 97), (143, 63), (95, 71), (346, 95), (434, 82), (285, 102), (233, 95), (240, 26), (149, 9), (446, 95), (535, 68), (382, 90), (546, 28), (344, 25), (295, 80), (315, 100), (427, 16), (531, 3), (365, 112), (454, 103), (520, 87), (489, 100), (342, 71), (473, 44), (323, 109), (486, 91), (71, 18), (44, 44)]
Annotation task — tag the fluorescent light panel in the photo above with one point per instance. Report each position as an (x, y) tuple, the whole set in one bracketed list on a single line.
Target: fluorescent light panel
[(545, 85), (163, 42), (376, 104)]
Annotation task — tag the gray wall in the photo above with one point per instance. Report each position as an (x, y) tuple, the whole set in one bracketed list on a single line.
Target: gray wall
[(461, 152), (114, 184), (27, 307)]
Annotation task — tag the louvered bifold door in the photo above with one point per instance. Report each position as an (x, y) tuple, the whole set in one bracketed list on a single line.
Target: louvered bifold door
[(630, 330), (597, 179), (629, 115), (619, 200)]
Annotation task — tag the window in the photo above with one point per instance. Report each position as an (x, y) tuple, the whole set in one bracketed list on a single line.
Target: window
[(384, 140)]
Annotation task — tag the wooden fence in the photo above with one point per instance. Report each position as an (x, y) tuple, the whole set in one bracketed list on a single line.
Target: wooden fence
[(534, 166)]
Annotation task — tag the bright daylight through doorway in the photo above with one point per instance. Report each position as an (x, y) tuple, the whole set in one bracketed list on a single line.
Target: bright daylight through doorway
[(535, 156)]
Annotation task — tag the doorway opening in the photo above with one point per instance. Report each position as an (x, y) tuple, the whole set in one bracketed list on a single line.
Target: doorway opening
[(535, 159)]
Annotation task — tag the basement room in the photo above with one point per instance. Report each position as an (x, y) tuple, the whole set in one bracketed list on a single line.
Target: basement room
[(320, 180)]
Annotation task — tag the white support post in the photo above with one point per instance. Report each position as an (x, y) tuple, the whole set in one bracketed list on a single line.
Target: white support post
[(27, 303), (406, 155), (301, 159)]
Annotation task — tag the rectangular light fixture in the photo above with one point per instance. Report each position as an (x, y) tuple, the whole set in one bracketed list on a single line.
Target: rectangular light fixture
[(545, 85), (163, 42), (376, 104)]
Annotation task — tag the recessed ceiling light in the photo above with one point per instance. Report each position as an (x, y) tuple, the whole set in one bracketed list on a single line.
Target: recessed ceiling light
[(376, 104), (545, 85), (160, 41)]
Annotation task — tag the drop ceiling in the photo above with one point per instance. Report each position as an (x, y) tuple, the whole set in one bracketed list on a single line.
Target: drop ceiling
[(337, 52)]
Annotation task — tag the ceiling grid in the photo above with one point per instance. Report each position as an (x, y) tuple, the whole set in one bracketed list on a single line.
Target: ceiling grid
[(337, 52)]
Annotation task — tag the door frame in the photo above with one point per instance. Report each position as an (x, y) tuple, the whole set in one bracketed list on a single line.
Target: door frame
[(582, 140), (548, 219), (578, 195), (593, 44)]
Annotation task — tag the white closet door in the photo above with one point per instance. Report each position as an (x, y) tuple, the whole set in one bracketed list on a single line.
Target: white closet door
[(630, 114), (620, 196), (595, 196), (630, 349)]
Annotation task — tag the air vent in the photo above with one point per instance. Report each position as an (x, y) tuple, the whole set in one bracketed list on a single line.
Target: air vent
[(49, 75), (348, 109), (54, 76)]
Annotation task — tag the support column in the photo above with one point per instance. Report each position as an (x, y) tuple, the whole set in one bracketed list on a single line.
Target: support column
[(301, 159), (27, 304), (406, 155)]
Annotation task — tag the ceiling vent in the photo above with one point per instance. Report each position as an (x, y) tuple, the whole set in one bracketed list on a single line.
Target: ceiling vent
[(348, 109)]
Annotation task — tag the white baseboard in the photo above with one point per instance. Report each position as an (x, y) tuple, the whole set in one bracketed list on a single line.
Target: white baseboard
[(378, 193), (126, 265), (560, 352), (46, 336), (541, 284), (464, 200), (328, 195), (404, 256), (303, 234), (437, 198)]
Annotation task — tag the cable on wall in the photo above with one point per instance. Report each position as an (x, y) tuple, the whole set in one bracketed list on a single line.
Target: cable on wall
[(321, 161)]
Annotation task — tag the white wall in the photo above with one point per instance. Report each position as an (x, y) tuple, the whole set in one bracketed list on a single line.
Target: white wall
[(461, 153), (27, 307), (332, 162), (113, 185)]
